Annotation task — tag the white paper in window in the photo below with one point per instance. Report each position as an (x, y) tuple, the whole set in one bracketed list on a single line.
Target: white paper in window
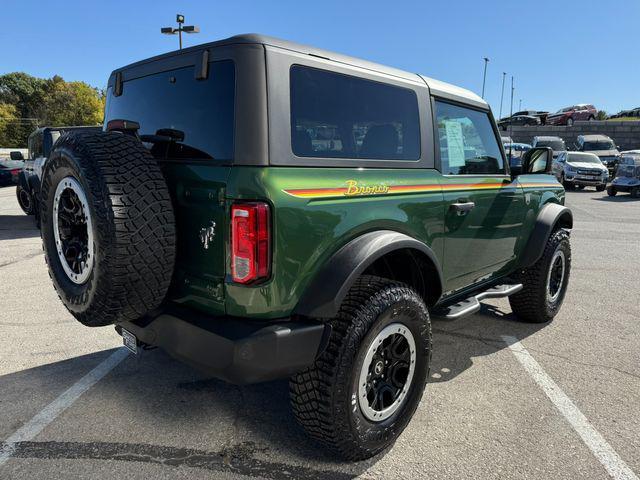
[(455, 143)]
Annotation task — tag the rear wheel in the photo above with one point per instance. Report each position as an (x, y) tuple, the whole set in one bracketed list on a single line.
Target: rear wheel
[(25, 200), (107, 227), (364, 388), (611, 191), (545, 282)]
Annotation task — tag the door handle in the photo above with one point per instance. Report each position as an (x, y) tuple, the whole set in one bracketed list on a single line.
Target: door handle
[(462, 208)]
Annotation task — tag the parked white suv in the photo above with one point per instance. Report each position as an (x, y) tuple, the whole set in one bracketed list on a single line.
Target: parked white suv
[(579, 169)]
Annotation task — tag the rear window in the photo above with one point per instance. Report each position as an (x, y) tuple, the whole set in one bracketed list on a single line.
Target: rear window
[(202, 110), (340, 116)]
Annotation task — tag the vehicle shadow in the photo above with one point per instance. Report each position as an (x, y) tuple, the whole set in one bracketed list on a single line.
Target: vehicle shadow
[(17, 226), (457, 343), (249, 430), (620, 198)]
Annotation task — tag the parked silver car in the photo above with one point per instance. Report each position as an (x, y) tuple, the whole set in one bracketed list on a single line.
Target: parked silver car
[(578, 169), (602, 146)]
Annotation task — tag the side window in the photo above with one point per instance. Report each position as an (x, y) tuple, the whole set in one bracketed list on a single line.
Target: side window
[(468, 143), (341, 116), (37, 145)]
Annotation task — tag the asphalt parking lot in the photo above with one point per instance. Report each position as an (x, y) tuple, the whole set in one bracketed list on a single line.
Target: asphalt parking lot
[(489, 412)]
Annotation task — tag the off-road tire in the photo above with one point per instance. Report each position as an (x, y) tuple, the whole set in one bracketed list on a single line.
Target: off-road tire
[(25, 200), (611, 191), (323, 396), (531, 303), (133, 227)]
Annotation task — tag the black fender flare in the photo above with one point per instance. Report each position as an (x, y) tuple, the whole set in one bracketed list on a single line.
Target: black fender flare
[(326, 291), (23, 181), (550, 217)]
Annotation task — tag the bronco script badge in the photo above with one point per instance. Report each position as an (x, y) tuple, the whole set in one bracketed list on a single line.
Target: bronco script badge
[(354, 189)]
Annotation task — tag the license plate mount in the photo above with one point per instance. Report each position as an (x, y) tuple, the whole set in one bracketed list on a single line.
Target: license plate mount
[(130, 341)]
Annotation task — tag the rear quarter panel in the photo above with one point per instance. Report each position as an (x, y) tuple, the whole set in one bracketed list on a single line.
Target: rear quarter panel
[(315, 211)]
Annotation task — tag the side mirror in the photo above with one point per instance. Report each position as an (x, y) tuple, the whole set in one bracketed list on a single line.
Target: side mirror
[(15, 155), (537, 160)]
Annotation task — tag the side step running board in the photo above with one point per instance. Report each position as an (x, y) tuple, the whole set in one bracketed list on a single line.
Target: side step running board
[(471, 305)]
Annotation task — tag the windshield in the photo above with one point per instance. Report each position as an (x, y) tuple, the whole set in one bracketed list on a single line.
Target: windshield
[(556, 145), (628, 171), (563, 110), (573, 157), (601, 145)]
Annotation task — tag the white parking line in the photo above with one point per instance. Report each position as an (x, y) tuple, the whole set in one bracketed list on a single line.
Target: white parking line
[(49, 413), (607, 456)]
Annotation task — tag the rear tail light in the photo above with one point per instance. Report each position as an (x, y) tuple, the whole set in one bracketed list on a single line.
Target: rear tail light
[(250, 242)]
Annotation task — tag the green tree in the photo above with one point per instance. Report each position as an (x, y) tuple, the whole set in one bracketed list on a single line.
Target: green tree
[(10, 126), (601, 115), (26, 94), (38, 102), (72, 103)]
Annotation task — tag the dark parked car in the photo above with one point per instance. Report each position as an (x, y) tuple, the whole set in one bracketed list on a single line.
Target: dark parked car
[(554, 143), (568, 115), (634, 112), (519, 119), (40, 143), (10, 168), (603, 147), (535, 113)]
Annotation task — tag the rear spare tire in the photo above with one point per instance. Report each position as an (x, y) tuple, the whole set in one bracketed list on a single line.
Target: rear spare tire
[(108, 227)]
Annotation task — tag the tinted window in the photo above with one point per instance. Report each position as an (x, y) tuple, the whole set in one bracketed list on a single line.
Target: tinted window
[(468, 143), (202, 110), (339, 116), (599, 145), (555, 145)]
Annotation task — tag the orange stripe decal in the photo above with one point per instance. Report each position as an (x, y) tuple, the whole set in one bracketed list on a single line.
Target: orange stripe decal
[(354, 189)]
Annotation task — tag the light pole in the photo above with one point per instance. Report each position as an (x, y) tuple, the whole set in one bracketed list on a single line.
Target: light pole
[(484, 75), (511, 118), (520, 105), (504, 74), (181, 28)]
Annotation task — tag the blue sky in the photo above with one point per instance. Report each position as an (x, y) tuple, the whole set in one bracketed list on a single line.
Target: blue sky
[(560, 52)]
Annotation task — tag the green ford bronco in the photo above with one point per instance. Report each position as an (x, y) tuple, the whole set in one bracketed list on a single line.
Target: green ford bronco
[(262, 209)]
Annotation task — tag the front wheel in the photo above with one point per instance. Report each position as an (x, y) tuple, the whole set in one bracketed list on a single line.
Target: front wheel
[(545, 282), (25, 200), (635, 192), (611, 191), (569, 122), (364, 388), (600, 188)]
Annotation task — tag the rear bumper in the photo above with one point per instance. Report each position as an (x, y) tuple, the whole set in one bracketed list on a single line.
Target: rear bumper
[(239, 351)]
